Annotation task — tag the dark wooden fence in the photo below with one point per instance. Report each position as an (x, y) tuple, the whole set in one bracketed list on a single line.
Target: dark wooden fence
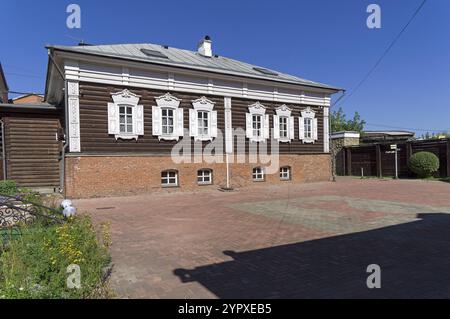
[(377, 160)]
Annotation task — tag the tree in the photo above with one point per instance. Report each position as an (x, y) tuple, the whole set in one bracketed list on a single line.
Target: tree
[(339, 122), (432, 136)]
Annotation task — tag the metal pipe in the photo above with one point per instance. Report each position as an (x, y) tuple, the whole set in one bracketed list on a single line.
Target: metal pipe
[(3, 150)]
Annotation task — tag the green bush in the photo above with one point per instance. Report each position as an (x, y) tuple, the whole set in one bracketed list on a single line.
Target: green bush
[(424, 164), (8, 187), (34, 265)]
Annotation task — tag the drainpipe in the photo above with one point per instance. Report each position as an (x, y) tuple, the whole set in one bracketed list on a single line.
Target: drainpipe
[(62, 178), (3, 150)]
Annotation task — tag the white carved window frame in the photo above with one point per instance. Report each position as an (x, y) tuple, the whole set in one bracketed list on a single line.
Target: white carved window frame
[(203, 105), (257, 109), (125, 98), (283, 111), (308, 113), (170, 102)]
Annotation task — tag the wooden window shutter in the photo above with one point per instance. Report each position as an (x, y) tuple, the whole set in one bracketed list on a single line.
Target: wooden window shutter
[(156, 120), (291, 128), (113, 119), (179, 122), (138, 116), (213, 123), (266, 126), (314, 129), (249, 126), (301, 128), (193, 123), (276, 127)]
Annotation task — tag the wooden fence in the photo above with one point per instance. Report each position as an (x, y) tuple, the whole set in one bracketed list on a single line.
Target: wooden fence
[(378, 160)]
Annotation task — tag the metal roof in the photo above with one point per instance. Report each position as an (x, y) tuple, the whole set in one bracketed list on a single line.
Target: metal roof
[(188, 59)]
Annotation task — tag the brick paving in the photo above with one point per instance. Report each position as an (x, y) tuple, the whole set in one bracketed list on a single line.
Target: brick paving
[(293, 241)]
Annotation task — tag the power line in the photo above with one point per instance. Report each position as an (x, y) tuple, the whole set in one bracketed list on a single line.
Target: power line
[(407, 128), (386, 51)]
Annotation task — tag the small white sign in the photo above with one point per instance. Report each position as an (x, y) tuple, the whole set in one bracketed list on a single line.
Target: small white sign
[(393, 146)]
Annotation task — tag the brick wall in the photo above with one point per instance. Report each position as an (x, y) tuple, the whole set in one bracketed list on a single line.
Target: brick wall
[(94, 176)]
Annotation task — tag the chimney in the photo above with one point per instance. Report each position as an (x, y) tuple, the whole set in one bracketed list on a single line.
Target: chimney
[(204, 47)]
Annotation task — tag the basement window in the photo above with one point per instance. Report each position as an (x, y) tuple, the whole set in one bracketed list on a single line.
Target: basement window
[(204, 177), (285, 173), (258, 174), (169, 178)]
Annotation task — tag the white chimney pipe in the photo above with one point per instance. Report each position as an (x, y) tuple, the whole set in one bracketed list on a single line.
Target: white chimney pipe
[(205, 47)]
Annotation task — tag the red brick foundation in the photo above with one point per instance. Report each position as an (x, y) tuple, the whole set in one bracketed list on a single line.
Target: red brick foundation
[(96, 176)]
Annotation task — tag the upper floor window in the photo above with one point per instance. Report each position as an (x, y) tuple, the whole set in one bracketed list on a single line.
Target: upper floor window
[(203, 120), (125, 119), (167, 118), (125, 116), (167, 121), (308, 126), (283, 124), (257, 126), (257, 123)]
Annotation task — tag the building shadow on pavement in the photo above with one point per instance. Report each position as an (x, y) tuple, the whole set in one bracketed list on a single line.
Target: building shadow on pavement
[(414, 258)]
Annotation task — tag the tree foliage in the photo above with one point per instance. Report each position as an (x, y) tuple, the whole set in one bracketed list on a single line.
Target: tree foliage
[(339, 122)]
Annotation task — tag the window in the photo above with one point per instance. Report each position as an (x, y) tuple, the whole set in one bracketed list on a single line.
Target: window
[(308, 127), (126, 119), (258, 174), (283, 127), (203, 123), (169, 178), (203, 120), (257, 123), (256, 120), (283, 124), (125, 116), (167, 118), (167, 121), (285, 173), (204, 177)]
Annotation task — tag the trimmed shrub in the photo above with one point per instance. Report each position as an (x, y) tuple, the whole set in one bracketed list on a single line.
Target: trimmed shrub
[(424, 164)]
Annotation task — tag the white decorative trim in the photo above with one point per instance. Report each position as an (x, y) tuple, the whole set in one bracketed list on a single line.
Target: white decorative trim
[(125, 98), (228, 126), (73, 103), (257, 108), (308, 113), (93, 69), (283, 111), (168, 101), (203, 104), (326, 130), (345, 134)]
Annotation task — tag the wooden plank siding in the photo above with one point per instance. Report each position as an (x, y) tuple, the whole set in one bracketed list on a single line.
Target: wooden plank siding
[(94, 99), (381, 163), (32, 151)]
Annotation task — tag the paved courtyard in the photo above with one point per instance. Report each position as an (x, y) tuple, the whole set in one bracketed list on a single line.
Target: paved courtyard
[(291, 241)]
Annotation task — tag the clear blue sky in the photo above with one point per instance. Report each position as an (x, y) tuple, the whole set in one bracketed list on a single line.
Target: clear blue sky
[(322, 40)]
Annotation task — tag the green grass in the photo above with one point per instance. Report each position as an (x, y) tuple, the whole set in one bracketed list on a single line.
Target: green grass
[(34, 264)]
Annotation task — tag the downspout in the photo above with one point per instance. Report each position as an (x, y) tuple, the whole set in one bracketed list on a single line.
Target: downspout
[(3, 150), (62, 177)]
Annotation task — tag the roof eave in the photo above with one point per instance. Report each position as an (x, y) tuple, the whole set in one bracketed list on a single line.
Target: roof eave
[(323, 87)]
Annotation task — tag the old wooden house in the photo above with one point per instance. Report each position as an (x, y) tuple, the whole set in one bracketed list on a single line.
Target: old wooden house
[(120, 114)]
